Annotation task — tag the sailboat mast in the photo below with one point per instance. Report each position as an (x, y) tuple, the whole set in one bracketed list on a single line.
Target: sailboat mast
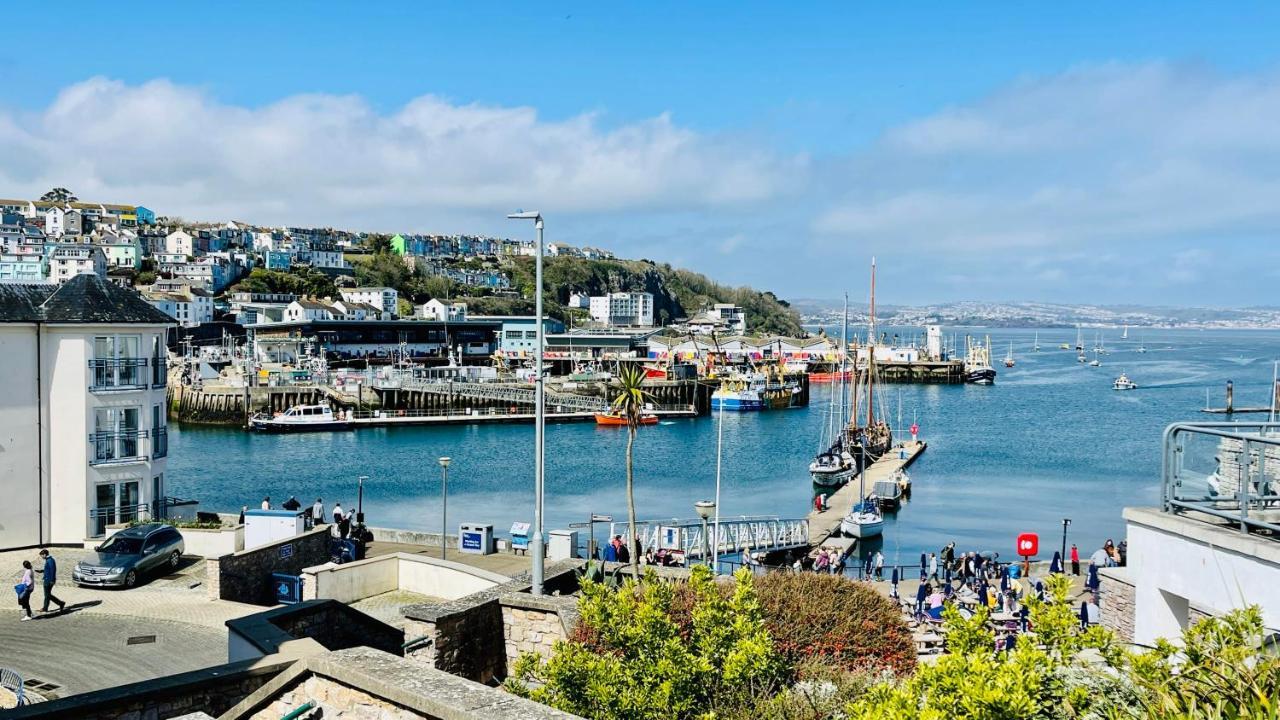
[(871, 349), (844, 359)]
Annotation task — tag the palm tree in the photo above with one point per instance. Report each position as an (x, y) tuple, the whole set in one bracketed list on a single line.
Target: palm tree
[(629, 403), (58, 194)]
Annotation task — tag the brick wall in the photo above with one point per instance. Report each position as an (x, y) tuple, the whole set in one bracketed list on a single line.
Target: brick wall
[(245, 576)]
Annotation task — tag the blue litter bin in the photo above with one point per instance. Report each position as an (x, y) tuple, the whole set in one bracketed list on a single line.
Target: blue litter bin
[(288, 588)]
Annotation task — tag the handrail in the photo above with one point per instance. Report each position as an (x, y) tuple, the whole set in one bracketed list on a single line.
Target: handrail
[(1245, 481)]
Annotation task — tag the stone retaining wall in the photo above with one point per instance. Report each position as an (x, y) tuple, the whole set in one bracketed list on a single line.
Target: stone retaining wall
[(1116, 602), (245, 576), (533, 624)]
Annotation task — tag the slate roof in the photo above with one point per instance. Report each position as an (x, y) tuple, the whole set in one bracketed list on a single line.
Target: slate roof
[(83, 299)]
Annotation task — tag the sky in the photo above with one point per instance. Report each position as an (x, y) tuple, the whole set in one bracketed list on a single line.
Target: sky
[(1081, 153)]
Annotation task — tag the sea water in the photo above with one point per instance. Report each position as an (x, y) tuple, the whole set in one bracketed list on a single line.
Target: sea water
[(1050, 440)]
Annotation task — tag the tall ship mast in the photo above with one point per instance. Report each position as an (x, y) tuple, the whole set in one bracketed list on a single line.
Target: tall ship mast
[(864, 438)]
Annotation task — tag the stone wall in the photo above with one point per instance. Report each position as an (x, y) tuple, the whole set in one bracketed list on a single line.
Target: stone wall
[(533, 624), (212, 690), (245, 576), (1116, 602), (336, 698), (332, 625)]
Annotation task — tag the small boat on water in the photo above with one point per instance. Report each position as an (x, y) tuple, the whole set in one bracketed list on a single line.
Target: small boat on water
[(613, 419), (977, 363), (863, 521), (1008, 359), (1124, 383), (300, 418), (1064, 346), (1036, 346), (890, 493)]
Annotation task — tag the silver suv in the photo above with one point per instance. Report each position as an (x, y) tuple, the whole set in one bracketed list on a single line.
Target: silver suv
[(129, 554)]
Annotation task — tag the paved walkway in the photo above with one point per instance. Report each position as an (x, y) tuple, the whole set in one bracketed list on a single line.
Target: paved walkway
[(86, 648)]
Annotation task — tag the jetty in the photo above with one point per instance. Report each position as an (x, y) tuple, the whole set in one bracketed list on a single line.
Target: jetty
[(385, 418), (824, 526)]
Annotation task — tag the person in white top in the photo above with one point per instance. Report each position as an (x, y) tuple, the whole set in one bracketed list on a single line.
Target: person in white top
[(28, 580), (317, 512), (266, 503)]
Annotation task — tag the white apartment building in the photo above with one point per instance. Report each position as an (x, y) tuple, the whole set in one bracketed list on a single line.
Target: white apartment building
[(623, 308), (83, 427), (303, 310), (384, 298), (733, 317), (190, 307), (68, 261)]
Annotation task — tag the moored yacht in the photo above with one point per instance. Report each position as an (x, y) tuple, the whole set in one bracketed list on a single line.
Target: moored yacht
[(1124, 383), (863, 521), (300, 418)]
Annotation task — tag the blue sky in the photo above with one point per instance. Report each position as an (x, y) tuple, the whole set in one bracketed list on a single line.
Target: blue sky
[(1105, 153)]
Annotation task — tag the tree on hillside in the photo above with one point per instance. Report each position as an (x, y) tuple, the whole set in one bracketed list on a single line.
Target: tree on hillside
[(384, 270), (58, 194), (300, 281), (379, 243)]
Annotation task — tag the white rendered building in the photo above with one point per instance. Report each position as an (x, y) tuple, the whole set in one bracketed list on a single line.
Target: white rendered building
[(384, 298), (83, 436), (623, 308)]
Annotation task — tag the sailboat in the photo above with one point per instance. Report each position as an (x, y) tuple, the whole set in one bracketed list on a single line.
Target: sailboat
[(1079, 339), (864, 439), (1142, 345), (1125, 335), (1036, 346), (1008, 359), (834, 465), (1095, 362)]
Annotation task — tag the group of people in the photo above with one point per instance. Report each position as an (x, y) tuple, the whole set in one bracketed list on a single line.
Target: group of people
[(315, 517), (48, 572)]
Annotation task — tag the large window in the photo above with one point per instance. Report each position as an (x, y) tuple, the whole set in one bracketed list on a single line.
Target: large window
[(117, 434), (159, 433), (159, 363), (117, 362), (115, 502)]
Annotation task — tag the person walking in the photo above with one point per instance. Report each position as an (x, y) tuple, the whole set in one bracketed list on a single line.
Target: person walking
[(1075, 560), (50, 575), (317, 512), (24, 588), (879, 566)]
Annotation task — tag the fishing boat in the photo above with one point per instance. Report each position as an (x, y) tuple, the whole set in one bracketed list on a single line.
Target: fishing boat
[(1124, 383), (977, 363), (1008, 359), (614, 419), (739, 393), (863, 438), (863, 521), (299, 418)]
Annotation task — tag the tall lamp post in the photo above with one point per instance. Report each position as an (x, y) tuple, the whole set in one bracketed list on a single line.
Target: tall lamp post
[(1065, 523), (539, 407), (444, 507), (705, 508)]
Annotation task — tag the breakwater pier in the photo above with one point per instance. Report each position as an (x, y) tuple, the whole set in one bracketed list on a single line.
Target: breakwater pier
[(824, 525)]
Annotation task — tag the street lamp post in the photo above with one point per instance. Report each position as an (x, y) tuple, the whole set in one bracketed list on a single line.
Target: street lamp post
[(705, 508), (540, 420), (444, 507), (1065, 523)]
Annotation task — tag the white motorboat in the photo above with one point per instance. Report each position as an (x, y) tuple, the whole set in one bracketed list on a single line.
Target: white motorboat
[(1124, 383), (832, 468), (300, 418)]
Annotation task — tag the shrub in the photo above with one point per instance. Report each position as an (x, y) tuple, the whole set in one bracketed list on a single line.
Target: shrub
[(837, 620)]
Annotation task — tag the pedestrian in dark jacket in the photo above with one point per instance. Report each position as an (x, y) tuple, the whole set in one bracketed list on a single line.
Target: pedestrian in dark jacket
[(50, 575)]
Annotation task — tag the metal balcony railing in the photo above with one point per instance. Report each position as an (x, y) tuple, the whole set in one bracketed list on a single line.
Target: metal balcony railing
[(119, 446), (118, 373), (1229, 471), (160, 442), (159, 372)]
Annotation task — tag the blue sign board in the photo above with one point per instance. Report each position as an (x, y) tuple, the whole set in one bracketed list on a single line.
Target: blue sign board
[(471, 540), (286, 551)]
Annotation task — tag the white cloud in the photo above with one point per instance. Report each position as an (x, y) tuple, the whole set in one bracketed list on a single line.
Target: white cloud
[(313, 159), (1078, 161)]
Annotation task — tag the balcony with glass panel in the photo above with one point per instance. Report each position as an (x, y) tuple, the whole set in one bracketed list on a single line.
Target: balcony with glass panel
[(118, 447), (112, 374)]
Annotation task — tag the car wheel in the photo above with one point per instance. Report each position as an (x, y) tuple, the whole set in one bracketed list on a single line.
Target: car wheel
[(131, 578), (174, 558)]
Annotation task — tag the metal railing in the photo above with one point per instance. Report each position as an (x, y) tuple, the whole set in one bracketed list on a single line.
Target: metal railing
[(100, 518), (1225, 470), (117, 446), (159, 372), (118, 373), (160, 442), (763, 533), (12, 681), (518, 393)]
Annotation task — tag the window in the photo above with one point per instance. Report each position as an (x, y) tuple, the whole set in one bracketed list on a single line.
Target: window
[(117, 362), (159, 433), (514, 334), (116, 436), (531, 334), (114, 502)]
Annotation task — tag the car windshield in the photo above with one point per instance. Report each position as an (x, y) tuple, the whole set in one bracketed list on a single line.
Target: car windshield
[(122, 546)]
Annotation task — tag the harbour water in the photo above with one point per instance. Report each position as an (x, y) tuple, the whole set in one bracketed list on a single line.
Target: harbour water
[(1049, 440)]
